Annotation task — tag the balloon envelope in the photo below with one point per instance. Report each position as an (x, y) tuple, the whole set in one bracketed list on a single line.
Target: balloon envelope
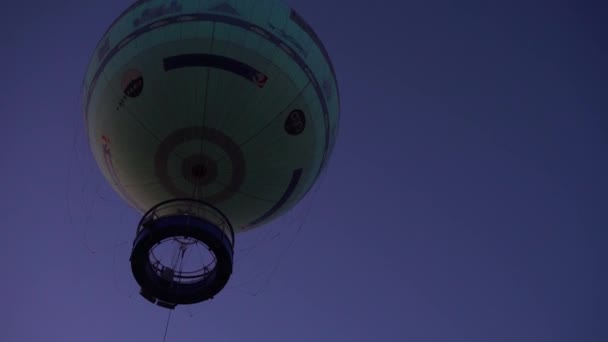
[(231, 102)]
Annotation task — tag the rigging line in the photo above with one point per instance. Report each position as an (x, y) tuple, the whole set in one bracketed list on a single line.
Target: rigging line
[(85, 233), (114, 276), (197, 191), (278, 264), (167, 326), (284, 252)]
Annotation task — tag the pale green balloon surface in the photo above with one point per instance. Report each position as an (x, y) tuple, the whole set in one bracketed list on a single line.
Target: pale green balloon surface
[(177, 86)]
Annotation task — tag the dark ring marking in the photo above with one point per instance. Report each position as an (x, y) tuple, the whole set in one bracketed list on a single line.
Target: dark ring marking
[(206, 134), (295, 179), (132, 83)]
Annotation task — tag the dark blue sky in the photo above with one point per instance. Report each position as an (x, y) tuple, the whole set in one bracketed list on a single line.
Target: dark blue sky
[(465, 200)]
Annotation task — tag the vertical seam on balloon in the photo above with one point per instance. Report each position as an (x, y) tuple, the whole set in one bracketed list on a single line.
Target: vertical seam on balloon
[(202, 148)]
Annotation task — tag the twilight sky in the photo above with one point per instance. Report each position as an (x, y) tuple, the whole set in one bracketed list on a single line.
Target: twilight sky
[(466, 200)]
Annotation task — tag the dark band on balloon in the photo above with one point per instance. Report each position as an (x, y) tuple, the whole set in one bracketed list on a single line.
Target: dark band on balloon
[(298, 20), (208, 135), (293, 183), (216, 61)]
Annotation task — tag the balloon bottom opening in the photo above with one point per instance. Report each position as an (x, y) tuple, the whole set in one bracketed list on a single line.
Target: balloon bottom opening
[(182, 253)]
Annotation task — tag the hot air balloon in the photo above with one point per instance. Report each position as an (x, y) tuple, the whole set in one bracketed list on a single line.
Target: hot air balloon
[(211, 118)]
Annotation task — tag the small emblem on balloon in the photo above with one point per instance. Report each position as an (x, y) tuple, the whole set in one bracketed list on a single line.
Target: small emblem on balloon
[(132, 83), (260, 79), (295, 122)]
